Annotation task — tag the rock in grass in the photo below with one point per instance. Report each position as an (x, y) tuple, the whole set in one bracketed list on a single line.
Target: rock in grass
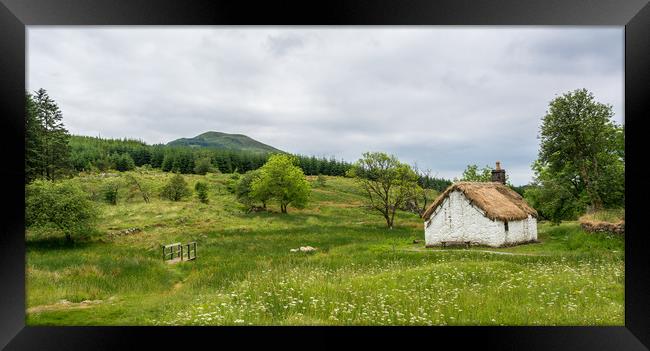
[(127, 231), (304, 249)]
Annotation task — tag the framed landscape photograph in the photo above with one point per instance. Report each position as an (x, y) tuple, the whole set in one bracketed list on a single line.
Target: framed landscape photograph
[(386, 170)]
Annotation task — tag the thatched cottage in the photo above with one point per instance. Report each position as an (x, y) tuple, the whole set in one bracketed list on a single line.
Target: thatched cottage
[(480, 213)]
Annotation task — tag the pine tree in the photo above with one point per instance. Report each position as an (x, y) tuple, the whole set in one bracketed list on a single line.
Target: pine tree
[(54, 148), (33, 140)]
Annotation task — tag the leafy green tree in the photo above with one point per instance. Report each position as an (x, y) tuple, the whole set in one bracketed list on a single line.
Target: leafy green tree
[(473, 174), (387, 182), (554, 200), (61, 206), (176, 189), (582, 150), (201, 189), (203, 165), (243, 190), (281, 180), (110, 191)]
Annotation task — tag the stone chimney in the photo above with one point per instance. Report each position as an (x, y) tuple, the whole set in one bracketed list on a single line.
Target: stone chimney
[(498, 174)]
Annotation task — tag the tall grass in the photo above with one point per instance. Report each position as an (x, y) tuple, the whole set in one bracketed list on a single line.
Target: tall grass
[(612, 215), (361, 274)]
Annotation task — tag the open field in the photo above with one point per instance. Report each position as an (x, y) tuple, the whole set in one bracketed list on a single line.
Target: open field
[(361, 274)]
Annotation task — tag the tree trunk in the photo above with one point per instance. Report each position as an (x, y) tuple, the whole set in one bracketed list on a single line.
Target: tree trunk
[(389, 223), (595, 199)]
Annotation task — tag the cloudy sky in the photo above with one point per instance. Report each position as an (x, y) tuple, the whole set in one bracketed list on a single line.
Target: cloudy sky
[(443, 97)]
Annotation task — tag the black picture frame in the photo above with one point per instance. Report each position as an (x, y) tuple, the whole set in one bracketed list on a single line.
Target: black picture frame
[(15, 15)]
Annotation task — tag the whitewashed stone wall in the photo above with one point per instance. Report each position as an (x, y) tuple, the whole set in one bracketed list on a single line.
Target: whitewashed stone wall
[(457, 220), (521, 231)]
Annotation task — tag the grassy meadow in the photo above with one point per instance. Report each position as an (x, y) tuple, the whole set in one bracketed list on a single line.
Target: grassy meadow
[(361, 274)]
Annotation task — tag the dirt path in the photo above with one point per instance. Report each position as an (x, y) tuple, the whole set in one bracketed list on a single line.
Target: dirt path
[(64, 305), (178, 285)]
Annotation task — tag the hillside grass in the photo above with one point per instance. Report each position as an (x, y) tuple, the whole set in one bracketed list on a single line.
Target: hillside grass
[(361, 274), (225, 141)]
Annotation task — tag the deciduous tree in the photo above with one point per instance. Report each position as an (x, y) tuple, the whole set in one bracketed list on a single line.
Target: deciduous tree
[(176, 189), (387, 182), (281, 180), (581, 149), (203, 165), (61, 206), (473, 174)]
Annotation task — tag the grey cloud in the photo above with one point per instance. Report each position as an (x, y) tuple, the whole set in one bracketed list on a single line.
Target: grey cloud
[(444, 97), (571, 51), (280, 45)]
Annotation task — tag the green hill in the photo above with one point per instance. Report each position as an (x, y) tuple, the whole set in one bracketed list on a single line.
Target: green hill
[(224, 141)]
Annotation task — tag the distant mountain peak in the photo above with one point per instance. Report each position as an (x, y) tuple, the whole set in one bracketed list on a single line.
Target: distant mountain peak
[(220, 140)]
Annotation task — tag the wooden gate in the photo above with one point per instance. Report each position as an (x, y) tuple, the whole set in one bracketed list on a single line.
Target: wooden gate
[(179, 252)]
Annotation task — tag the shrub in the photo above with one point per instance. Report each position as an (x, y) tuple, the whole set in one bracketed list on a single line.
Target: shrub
[(320, 181), (61, 206), (201, 191), (554, 202), (232, 182), (175, 189), (110, 191), (103, 164), (145, 168), (203, 166)]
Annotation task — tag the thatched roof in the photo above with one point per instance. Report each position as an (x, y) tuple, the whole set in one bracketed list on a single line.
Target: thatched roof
[(498, 201)]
